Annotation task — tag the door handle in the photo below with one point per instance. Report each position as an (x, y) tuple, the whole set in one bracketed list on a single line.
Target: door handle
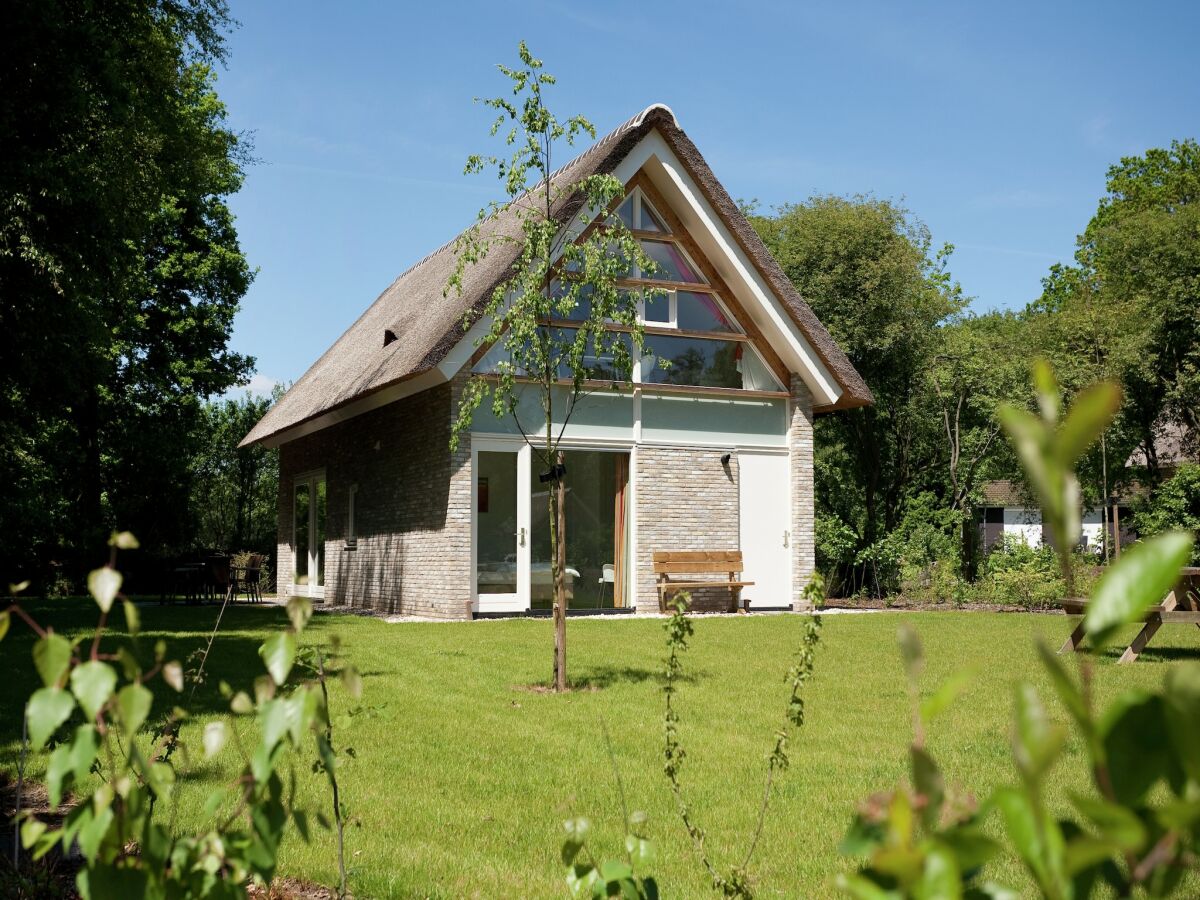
[(787, 536), (520, 534)]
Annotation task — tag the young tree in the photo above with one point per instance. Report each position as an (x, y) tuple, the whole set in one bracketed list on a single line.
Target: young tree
[(571, 254)]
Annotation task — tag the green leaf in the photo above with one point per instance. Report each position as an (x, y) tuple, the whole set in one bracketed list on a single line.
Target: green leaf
[(48, 708), (123, 540), (31, 830), (1134, 583), (51, 657), (92, 683), (1037, 740), (940, 879), (133, 619), (1115, 823), (970, 846), (947, 692), (299, 611), (5, 622), (92, 831), (133, 706), (1091, 412), (862, 888), (352, 681), (173, 675), (58, 769), (1133, 732), (215, 735), (1025, 828), (640, 850), (910, 650), (84, 748), (278, 653), (927, 779), (1181, 693), (103, 584), (1068, 692)]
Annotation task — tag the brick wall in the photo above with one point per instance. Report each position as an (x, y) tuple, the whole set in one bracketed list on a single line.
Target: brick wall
[(800, 448), (686, 500), (412, 508)]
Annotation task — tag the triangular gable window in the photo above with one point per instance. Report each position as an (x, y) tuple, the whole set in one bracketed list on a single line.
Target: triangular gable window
[(638, 215)]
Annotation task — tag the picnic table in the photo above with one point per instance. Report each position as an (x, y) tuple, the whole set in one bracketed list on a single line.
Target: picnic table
[(1179, 607)]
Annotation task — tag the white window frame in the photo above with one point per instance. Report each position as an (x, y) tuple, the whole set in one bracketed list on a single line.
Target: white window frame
[(310, 480)]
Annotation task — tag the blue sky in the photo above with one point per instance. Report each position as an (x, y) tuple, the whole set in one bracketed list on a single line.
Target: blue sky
[(994, 123)]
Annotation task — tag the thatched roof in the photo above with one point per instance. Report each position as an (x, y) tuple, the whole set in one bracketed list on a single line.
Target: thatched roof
[(427, 324)]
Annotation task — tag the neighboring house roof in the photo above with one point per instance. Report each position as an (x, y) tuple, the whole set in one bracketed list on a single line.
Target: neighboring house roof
[(427, 324), (1172, 446), (1004, 493)]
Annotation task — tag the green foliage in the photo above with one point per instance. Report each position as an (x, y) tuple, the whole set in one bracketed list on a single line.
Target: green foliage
[(1139, 828), (588, 877), (235, 490), (1173, 504), (120, 268), (126, 850), (1014, 572), (868, 269)]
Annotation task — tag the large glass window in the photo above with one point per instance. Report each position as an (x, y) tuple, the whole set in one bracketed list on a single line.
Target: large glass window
[(300, 543), (597, 520), (670, 263), (692, 361), (700, 312), (308, 535)]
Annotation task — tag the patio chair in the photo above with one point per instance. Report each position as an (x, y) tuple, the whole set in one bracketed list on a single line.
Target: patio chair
[(222, 581), (250, 578)]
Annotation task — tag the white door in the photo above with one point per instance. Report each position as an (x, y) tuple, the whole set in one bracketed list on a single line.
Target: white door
[(500, 526), (766, 528)]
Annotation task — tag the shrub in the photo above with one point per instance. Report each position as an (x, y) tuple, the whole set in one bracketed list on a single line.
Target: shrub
[(1173, 504)]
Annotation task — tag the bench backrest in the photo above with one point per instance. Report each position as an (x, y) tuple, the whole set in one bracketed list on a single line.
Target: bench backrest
[(696, 561)]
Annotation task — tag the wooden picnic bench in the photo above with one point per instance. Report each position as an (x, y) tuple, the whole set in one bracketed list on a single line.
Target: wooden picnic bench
[(668, 563), (1172, 611)]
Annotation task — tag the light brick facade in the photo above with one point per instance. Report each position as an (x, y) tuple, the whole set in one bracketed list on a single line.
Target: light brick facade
[(685, 500), (414, 515), (412, 509), (800, 452)]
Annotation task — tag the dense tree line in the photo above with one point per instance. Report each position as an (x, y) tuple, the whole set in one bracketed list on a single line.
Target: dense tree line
[(120, 271), (897, 482)]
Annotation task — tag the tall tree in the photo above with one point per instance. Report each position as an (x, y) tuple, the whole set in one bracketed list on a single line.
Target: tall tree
[(867, 268), (571, 254), (1142, 248), (120, 268)]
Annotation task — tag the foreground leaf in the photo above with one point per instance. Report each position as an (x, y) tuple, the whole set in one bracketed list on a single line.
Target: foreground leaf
[(103, 584), (48, 708), (1134, 583), (51, 657), (278, 653), (92, 684)]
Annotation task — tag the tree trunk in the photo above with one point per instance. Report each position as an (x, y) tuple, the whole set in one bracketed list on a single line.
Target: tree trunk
[(558, 554)]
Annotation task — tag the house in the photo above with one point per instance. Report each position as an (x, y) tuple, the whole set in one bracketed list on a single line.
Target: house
[(714, 453)]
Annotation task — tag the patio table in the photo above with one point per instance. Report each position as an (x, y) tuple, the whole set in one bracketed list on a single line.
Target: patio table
[(1174, 610)]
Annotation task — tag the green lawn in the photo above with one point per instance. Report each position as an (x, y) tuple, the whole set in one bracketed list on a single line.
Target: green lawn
[(463, 778)]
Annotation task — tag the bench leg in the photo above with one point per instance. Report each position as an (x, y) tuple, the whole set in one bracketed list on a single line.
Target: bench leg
[(1073, 640), (1143, 638)]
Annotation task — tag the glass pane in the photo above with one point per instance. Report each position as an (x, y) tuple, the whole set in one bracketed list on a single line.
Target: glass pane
[(701, 312), (319, 517), (693, 361), (496, 515), (576, 308), (670, 262), (658, 308), (300, 535), (596, 528), (598, 362), (650, 221), (625, 212)]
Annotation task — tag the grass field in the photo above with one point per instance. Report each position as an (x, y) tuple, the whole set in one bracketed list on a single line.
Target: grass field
[(463, 775)]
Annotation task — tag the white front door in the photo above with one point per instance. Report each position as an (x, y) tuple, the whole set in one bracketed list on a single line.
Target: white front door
[(765, 528), (500, 526)]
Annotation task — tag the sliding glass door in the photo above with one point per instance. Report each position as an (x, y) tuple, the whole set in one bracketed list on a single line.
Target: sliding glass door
[(308, 535), (598, 524)]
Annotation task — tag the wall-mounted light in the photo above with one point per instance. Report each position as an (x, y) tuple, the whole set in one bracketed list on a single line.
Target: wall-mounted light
[(725, 459)]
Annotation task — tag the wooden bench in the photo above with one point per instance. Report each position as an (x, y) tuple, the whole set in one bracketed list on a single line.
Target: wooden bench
[(699, 562)]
